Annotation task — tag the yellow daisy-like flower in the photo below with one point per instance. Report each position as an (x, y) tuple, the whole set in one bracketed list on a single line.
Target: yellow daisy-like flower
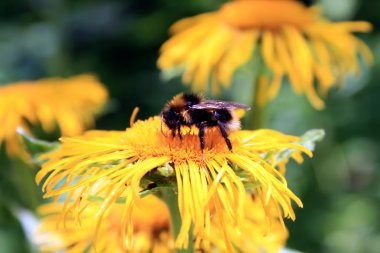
[(291, 39), (150, 221), (69, 103), (152, 233), (258, 234), (212, 181), (151, 230)]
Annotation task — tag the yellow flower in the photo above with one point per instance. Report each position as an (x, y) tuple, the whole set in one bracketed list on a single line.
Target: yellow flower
[(69, 103), (291, 40), (212, 181), (151, 230), (258, 233), (150, 220)]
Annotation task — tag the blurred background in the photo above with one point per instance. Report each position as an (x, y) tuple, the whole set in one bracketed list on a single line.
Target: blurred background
[(119, 40)]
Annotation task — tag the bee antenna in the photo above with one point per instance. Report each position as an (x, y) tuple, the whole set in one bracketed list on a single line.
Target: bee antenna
[(162, 130)]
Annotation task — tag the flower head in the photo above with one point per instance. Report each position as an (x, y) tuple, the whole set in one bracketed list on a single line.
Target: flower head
[(290, 39), (150, 221), (151, 230), (212, 181), (69, 103), (258, 234)]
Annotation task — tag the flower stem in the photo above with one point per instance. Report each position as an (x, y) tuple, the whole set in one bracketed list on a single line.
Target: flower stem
[(170, 197), (256, 119)]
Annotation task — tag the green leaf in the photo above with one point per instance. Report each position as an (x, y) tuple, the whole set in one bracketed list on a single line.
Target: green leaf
[(307, 140), (36, 147)]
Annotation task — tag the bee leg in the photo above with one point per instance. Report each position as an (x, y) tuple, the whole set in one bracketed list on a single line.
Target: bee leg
[(201, 128), (223, 131), (179, 132), (173, 133)]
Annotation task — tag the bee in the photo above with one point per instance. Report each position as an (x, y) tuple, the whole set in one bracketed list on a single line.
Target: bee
[(192, 110)]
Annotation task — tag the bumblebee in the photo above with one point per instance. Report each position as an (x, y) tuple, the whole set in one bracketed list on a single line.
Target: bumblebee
[(192, 110)]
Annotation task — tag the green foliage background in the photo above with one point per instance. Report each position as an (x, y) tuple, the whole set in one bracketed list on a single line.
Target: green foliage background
[(119, 40)]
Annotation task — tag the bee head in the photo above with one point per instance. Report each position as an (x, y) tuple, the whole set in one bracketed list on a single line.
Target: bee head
[(170, 116), (175, 111)]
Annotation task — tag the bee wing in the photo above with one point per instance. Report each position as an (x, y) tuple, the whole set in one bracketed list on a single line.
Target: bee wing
[(215, 104)]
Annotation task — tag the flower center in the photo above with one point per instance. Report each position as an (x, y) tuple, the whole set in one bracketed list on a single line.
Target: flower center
[(148, 141), (269, 14)]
